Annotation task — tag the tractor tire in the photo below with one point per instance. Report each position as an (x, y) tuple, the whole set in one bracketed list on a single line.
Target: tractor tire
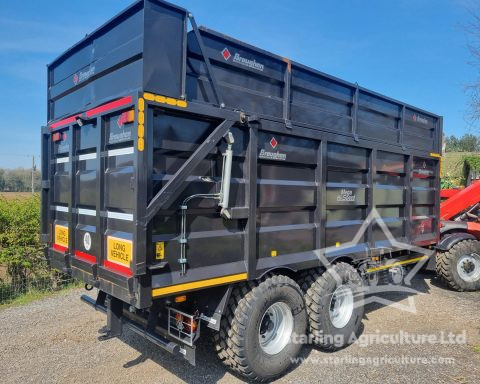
[(255, 337), (459, 267), (334, 300)]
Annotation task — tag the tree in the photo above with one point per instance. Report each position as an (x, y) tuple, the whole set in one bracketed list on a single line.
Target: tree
[(19, 180), (466, 143), (469, 143), (451, 143)]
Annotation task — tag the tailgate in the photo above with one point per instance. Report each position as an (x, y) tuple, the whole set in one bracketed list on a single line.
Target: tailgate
[(89, 198), (92, 150)]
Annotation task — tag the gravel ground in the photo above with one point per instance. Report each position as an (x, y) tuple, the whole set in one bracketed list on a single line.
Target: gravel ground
[(55, 341)]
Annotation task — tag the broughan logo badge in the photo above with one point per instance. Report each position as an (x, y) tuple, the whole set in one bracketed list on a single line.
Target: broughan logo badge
[(273, 143), (226, 54), (272, 155), (250, 63), (82, 76), (419, 119)]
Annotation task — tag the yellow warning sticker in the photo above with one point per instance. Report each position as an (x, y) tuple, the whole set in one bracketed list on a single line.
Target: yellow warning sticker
[(119, 251), (160, 250), (61, 235)]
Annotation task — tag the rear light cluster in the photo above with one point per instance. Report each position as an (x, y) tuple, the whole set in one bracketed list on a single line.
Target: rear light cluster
[(58, 136), (189, 324), (182, 326), (125, 118)]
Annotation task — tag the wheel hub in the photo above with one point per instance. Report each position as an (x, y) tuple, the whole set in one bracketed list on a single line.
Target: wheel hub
[(341, 306), (468, 267), (276, 328)]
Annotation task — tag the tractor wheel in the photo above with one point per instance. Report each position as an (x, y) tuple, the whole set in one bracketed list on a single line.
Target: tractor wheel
[(255, 337), (459, 268)]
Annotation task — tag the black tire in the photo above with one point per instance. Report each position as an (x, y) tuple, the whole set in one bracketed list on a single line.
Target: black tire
[(447, 266), (319, 286), (237, 343)]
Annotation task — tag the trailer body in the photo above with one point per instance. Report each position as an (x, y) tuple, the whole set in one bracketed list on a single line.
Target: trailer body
[(138, 112)]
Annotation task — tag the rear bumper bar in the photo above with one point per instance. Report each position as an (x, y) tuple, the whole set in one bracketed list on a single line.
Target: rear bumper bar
[(184, 351), (126, 288)]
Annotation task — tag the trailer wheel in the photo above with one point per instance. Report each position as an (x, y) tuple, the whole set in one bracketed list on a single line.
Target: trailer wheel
[(459, 268), (334, 301), (255, 337)]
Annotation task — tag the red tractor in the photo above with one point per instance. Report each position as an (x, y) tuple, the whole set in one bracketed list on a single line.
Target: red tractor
[(458, 252)]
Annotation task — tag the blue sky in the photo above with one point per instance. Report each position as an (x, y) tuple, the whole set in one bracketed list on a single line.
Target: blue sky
[(412, 50)]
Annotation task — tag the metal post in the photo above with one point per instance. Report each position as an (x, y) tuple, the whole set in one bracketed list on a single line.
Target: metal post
[(100, 166), (213, 80), (33, 171), (355, 113), (370, 195), (286, 92), (114, 316), (322, 194), (408, 198), (251, 203)]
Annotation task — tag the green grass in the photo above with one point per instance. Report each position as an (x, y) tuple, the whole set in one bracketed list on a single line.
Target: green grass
[(476, 348), (35, 295)]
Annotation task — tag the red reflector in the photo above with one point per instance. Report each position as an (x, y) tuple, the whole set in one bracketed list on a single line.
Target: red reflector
[(59, 248), (94, 111), (118, 268), (86, 257), (67, 121), (109, 106), (192, 327)]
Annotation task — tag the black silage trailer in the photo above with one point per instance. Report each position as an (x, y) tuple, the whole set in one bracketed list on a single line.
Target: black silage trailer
[(189, 176)]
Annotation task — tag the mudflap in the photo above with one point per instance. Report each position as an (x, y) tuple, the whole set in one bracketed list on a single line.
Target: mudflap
[(431, 264)]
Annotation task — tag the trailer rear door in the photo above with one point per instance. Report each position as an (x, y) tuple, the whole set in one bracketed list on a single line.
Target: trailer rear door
[(89, 196)]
